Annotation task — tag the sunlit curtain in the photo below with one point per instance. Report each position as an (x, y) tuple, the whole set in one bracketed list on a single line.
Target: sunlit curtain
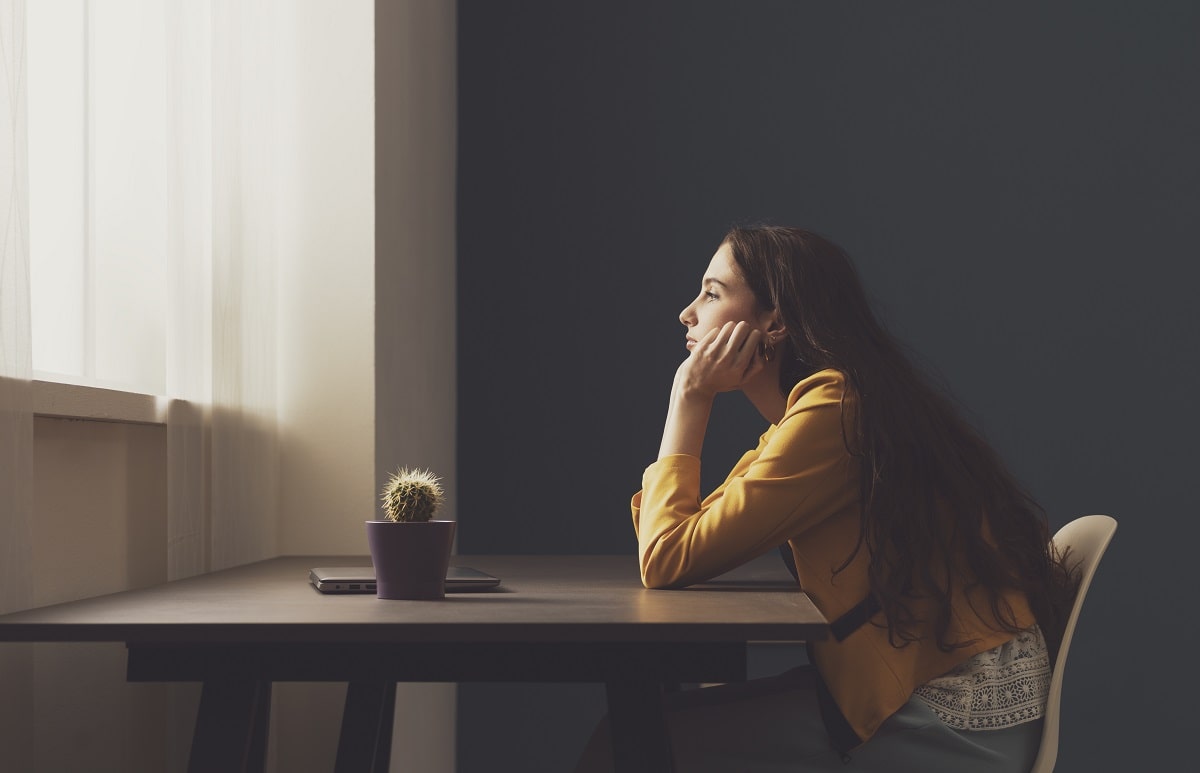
[(189, 284), (222, 430), (16, 417), (245, 222)]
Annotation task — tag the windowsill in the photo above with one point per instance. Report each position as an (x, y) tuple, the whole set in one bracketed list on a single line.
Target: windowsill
[(61, 400)]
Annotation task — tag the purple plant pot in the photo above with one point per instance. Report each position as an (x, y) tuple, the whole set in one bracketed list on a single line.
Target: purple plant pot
[(411, 558)]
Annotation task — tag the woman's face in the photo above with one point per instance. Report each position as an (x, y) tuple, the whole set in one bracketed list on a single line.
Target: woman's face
[(724, 297)]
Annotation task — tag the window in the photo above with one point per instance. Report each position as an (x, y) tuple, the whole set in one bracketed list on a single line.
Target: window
[(98, 115)]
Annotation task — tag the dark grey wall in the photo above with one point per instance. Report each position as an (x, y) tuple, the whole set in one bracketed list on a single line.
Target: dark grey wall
[(1019, 184)]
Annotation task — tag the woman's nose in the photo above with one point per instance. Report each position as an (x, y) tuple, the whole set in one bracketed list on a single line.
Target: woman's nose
[(686, 315)]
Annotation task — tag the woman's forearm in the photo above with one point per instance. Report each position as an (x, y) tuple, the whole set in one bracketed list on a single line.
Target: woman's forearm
[(687, 421)]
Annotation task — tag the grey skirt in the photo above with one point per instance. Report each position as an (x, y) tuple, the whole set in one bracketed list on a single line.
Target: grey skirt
[(773, 725)]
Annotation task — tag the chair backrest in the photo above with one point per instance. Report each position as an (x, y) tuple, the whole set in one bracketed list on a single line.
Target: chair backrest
[(1087, 537)]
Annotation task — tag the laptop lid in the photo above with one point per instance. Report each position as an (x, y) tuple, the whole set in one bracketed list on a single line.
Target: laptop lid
[(361, 579)]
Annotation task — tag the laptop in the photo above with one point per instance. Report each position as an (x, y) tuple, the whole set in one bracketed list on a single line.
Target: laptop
[(361, 579)]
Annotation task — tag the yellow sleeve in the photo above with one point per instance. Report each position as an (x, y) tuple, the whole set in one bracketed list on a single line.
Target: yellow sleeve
[(800, 474)]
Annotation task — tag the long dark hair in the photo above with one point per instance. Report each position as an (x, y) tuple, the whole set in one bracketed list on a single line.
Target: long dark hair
[(934, 493)]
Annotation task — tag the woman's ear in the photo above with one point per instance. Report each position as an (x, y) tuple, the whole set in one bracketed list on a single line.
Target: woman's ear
[(772, 326)]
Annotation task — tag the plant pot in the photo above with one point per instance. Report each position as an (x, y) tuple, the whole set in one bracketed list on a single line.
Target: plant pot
[(410, 558)]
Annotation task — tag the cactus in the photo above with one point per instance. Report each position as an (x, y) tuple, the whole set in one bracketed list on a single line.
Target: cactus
[(412, 495)]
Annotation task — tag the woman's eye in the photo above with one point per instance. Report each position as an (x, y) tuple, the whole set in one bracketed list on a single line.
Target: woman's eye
[(710, 295)]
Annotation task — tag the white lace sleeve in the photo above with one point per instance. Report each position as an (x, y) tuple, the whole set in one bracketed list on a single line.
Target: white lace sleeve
[(1000, 688)]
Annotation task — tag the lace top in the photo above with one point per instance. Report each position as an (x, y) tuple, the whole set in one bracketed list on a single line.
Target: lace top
[(999, 688)]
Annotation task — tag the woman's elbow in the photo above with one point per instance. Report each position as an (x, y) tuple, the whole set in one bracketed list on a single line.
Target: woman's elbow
[(658, 574), (654, 581)]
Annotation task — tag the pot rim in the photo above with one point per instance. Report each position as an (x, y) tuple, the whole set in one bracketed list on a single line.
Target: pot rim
[(411, 523)]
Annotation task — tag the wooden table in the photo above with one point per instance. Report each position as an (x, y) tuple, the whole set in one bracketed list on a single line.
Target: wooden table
[(553, 619)]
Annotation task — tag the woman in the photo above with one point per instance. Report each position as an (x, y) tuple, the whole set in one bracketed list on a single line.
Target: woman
[(898, 520)]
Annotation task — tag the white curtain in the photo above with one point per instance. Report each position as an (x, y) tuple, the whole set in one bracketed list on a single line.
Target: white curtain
[(221, 268), (189, 285), (222, 428), (222, 435), (245, 222)]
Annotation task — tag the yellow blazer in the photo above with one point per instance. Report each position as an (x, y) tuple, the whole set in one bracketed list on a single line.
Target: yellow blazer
[(801, 485)]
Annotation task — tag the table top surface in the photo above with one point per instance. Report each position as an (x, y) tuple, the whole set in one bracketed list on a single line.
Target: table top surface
[(540, 598)]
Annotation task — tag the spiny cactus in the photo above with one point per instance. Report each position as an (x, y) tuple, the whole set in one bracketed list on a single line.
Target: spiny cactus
[(412, 495)]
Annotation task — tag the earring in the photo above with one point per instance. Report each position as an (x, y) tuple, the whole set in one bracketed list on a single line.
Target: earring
[(768, 351)]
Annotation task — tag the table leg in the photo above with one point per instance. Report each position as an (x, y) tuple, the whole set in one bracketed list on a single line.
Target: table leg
[(365, 745), (231, 727), (638, 728)]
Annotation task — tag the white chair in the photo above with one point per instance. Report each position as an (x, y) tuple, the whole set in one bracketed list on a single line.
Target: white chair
[(1087, 537)]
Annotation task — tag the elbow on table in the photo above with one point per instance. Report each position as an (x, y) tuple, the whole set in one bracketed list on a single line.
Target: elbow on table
[(654, 582), (659, 575)]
